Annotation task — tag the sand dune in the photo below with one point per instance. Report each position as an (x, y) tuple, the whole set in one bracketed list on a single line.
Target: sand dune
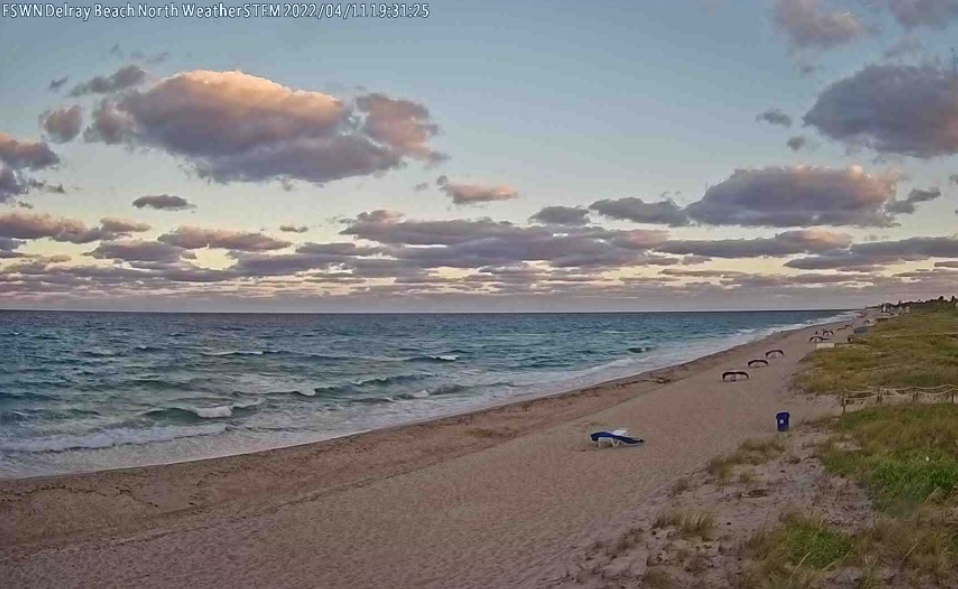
[(488, 499)]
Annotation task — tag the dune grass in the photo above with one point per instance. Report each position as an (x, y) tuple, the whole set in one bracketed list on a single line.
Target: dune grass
[(797, 552), (920, 349), (903, 455), (688, 523), (752, 451)]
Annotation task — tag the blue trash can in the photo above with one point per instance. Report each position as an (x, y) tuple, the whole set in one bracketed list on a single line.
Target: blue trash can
[(782, 419)]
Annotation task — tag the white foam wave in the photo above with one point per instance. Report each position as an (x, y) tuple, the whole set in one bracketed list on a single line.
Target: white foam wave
[(109, 438), (222, 410)]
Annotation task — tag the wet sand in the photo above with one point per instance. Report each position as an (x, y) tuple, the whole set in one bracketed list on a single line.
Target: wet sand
[(487, 499)]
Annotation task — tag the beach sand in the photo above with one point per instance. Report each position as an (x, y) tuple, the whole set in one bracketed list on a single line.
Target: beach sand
[(494, 498)]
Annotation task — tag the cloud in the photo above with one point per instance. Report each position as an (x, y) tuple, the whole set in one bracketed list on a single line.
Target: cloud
[(472, 194), (63, 124), (9, 185), (907, 206), (22, 225), (946, 264), (231, 126), (904, 47), (880, 253), (797, 196), (402, 124), (32, 155), (150, 59), (807, 26), (464, 243), (58, 83), (122, 225), (925, 13), (127, 76), (635, 209), (290, 228), (421, 186), (783, 244), (139, 251), (797, 142), (899, 109), (197, 238), (556, 215), (775, 117), (163, 202)]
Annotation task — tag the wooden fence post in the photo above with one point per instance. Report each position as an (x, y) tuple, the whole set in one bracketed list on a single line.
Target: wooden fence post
[(843, 405), (879, 395)]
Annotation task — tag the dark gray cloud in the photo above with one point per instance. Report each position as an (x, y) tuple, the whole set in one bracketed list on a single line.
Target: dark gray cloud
[(635, 209), (197, 238), (557, 215), (807, 25), (126, 77), (58, 83), (9, 185), (937, 14), (230, 126), (151, 59), (421, 187), (23, 225), (291, 228), (899, 109), (163, 202), (31, 155), (796, 143), (14, 184), (775, 117), (122, 225), (797, 196), (139, 251), (907, 206), (473, 194), (474, 243), (783, 244), (880, 253), (903, 48), (63, 125), (946, 264)]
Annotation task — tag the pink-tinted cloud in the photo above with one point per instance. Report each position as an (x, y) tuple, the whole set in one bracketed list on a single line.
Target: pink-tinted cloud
[(231, 126)]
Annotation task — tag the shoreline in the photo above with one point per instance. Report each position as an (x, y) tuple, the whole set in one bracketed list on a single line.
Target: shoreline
[(561, 390), (104, 510)]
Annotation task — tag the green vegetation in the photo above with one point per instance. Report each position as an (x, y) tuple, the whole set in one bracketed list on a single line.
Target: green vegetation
[(904, 455), (801, 539), (919, 349)]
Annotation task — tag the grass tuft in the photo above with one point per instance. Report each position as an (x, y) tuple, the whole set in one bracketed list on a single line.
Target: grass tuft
[(688, 523)]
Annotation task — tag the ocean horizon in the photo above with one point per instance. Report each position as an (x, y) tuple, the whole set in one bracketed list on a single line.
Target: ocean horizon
[(88, 391)]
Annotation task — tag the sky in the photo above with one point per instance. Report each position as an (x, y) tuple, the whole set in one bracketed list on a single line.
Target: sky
[(473, 157)]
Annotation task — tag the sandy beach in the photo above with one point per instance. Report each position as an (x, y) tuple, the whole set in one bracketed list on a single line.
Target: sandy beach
[(494, 498)]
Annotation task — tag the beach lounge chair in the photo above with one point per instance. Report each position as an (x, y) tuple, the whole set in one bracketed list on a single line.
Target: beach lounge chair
[(774, 354), (734, 375), (615, 438), (757, 363)]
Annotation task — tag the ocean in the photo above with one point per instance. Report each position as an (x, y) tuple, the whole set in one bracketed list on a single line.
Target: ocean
[(92, 391)]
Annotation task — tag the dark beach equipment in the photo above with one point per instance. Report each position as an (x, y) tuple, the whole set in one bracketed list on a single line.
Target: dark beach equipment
[(782, 420), (774, 354), (757, 363), (734, 375), (615, 438)]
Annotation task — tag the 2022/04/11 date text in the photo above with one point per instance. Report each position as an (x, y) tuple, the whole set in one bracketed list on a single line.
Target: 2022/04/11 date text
[(343, 11)]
